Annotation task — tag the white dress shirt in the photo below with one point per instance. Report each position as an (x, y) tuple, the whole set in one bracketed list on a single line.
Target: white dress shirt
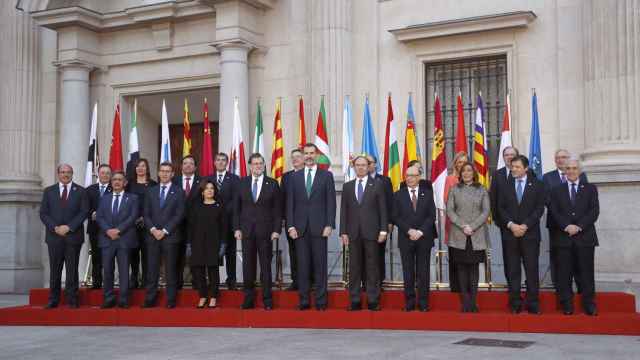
[(313, 169), (524, 183), (364, 186), (577, 182), (61, 188), (120, 198), (184, 181), (260, 180)]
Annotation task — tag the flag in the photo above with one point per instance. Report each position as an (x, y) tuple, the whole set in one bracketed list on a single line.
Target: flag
[(186, 131), (302, 136), (165, 145), (535, 155), (258, 138), (391, 168), (411, 143), (322, 139), (134, 150), (237, 161), (461, 136), (206, 161), (505, 137), (92, 156), (480, 158), (438, 158), (115, 153), (369, 143), (277, 149), (347, 141)]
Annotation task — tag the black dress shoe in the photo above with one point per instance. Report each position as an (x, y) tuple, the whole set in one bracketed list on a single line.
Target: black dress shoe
[(322, 307), (231, 285), (108, 305), (423, 308), (171, 306), (51, 305), (409, 307), (516, 309), (133, 284), (247, 304), (533, 309), (303, 307), (268, 307), (123, 305), (148, 304), (354, 307), (373, 307), (96, 286), (567, 309), (74, 305), (292, 287), (591, 310)]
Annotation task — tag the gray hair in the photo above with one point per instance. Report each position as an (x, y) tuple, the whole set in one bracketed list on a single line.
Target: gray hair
[(561, 150), (576, 160), (60, 166)]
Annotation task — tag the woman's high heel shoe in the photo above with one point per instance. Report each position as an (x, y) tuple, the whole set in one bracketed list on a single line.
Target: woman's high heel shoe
[(213, 303), (202, 303)]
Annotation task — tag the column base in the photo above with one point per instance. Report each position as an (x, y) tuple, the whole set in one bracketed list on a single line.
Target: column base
[(613, 164)]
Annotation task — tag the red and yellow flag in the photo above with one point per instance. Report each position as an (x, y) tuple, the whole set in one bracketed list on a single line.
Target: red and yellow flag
[(302, 136), (186, 131), (206, 161), (277, 151)]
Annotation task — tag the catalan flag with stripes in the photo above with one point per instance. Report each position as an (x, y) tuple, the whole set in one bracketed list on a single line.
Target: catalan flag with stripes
[(277, 151), (480, 158)]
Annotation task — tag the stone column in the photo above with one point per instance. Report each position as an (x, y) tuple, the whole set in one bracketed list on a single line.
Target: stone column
[(234, 82), (20, 184), (612, 89), (75, 121)]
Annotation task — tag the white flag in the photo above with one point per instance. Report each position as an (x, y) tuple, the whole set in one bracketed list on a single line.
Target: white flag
[(505, 138), (165, 146), (92, 158), (347, 141)]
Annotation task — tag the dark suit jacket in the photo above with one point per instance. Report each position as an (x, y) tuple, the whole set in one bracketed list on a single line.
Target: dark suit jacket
[(195, 183), (498, 182), (284, 188), (551, 180), (228, 191), (426, 185), (53, 213), (528, 211), (584, 214), (387, 187), (262, 217), (125, 221), (168, 217), (93, 195), (423, 218), (312, 213), (365, 219)]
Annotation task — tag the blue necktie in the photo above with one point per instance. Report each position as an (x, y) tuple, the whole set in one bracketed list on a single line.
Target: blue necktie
[(573, 193), (360, 191), (116, 205), (163, 195), (254, 190), (102, 188), (519, 191)]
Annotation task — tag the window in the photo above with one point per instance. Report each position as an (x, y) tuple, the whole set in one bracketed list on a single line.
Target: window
[(488, 76)]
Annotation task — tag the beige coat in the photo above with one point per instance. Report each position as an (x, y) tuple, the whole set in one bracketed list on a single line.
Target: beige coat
[(468, 205)]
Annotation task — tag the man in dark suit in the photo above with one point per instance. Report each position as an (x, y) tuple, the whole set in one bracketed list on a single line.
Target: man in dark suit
[(520, 206), (187, 181), (363, 226), (63, 210), (575, 209), (227, 190), (414, 213), (423, 184), (551, 180), (95, 192), (116, 219), (499, 181), (311, 216), (163, 214), (387, 187), (297, 162), (257, 223)]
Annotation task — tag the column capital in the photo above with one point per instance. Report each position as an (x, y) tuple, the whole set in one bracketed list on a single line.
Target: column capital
[(76, 64), (234, 44)]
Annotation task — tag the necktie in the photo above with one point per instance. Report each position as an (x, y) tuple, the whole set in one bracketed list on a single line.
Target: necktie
[(116, 205), (187, 187), (102, 190), (573, 193), (163, 195), (65, 194), (563, 178), (360, 191), (309, 183), (219, 181), (414, 199), (519, 191), (254, 190)]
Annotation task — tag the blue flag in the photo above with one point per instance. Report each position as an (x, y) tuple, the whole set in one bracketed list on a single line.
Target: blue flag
[(369, 143), (535, 155)]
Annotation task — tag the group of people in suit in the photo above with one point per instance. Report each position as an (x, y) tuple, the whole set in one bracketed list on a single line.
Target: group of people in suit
[(137, 222)]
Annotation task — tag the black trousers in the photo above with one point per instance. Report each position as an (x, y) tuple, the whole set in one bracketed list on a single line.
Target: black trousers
[(200, 273), (312, 261), (293, 261), (254, 248), (230, 256), (468, 276), (554, 234), (416, 261), (63, 254), (138, 257), (96, 261), (364, 254), (523, 251), (381, 267), (109, 255), (157, 250), (569, 258)]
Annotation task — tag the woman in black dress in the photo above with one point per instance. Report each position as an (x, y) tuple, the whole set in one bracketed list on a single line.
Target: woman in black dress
[(206, 226), (138, 184)]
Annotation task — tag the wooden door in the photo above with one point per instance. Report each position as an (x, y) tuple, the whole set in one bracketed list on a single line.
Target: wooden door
[(177, 139)]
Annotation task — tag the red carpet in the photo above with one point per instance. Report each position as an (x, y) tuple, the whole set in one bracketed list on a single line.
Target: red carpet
[(617, 314)]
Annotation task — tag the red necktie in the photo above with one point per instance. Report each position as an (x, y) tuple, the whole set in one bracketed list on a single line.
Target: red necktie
[(414, 199), (65, 194), (187, 188)]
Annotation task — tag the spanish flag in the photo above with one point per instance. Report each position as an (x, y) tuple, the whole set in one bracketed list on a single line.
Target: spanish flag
[(186, 131), (277, 151)]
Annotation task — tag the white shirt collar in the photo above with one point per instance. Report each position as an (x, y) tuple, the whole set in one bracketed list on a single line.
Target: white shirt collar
[(168, 185), (313, 168), (223, 173), (524, 179), (101, 184), (417, 189), (259, 178), (118, 193), (191, 177), (577, 182)]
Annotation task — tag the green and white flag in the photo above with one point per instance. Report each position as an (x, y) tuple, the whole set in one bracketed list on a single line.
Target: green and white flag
[(258, 137)]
